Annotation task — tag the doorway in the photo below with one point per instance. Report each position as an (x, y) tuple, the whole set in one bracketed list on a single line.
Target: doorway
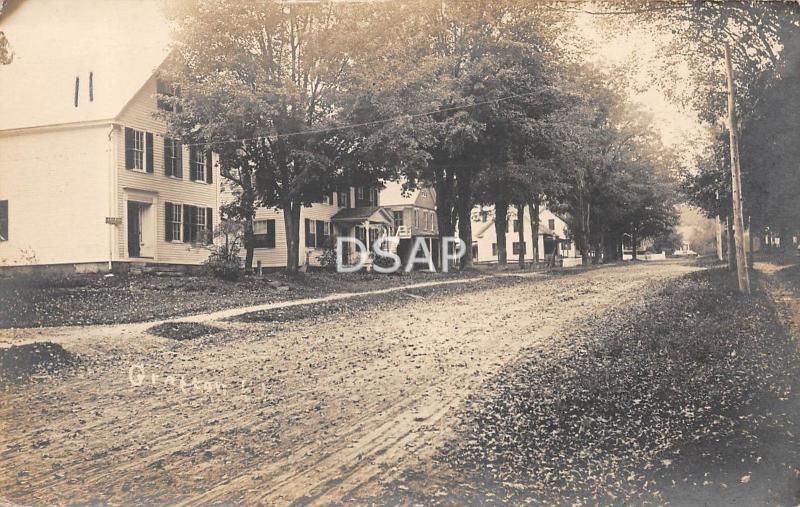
[(140, 229)]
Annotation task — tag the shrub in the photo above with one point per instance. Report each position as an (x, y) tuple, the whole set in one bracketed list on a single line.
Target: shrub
[(383, 261), (328, 258), (225, 261)]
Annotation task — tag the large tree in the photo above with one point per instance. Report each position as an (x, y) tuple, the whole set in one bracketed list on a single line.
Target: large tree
[(261, 83)]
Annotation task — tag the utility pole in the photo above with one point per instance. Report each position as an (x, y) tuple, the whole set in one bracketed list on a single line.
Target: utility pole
[(718, 224), (736, 177)]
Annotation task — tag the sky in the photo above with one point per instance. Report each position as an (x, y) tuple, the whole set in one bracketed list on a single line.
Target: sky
[(676, 125)]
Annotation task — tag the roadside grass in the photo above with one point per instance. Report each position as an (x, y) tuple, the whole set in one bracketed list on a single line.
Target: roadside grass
[(684, 397), (95, 299)]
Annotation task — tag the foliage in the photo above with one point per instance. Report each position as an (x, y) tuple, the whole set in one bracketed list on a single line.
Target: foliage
[(225, 261), (327, 260)]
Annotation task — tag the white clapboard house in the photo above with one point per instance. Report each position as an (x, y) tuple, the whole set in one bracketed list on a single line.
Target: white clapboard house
[(88, 178)]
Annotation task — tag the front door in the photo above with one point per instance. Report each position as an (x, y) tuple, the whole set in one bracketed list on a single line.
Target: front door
[(134, 229)]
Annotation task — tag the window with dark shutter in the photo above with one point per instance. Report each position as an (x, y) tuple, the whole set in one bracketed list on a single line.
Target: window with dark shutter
[(310, 233), (3, 220), (209, 168), (149, 147), (264, 234), (209, 230), (172, 158), (128, 148), (320, 236), (168, 221), (188, 213)]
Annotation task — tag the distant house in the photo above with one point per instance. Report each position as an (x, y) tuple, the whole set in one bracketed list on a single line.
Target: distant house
[(88, 177), (414, 216), (553, 236), (353, 212)]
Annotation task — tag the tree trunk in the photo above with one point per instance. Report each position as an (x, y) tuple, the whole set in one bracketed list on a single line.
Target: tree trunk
[(464, 209), (500, 227), (291, 222), (521, 235), (583, 236), (248, 245), (445, 190), (609, 249), (533, 209)]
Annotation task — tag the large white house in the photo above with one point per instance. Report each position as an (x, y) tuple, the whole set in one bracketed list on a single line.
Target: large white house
[(553, 236), (88, 177)]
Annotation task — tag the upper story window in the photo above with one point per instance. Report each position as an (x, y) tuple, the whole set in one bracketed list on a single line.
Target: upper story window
[(138, 150), (551, 224), (373, 196), (398, 218), (173, 158), (3, 220), (344, 199), (517, 224), (200, 165), (167, 96), (416, 219), (484, 216), (327, 199)]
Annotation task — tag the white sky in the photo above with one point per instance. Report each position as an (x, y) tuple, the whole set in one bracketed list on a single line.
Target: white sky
[(678, 127)]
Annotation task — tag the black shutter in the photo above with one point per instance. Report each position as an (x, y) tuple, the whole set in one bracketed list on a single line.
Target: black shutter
[(168, 221), (4, 221), (209, 167), (128, 148), (209, 226), (149, 143), (187, 223), (192, 158), (270, 233), (308, 233), (179, 162), (168, 157), (320, 233)]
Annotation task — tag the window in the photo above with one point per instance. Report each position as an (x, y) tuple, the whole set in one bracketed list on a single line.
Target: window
[(173, 227), (167, 94), (416, 219), (373, 196), (398, 218), (344, 199), (173, 159), (264, 234), (318, 233), (429, 221), (138, 150), (327, 199), (484, 216), (551, 224), (518, 248), (197, 224), (198, 168), (3, 220), (360, 194), (494, 249), (516, 225)]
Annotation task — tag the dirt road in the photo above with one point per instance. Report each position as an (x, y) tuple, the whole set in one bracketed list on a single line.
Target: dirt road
[(312, 411)]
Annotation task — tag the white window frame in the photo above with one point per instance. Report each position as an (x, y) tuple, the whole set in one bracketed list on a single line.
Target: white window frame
[(416, 218), (326, 229), (139, 149), (173, 158), (200, 224), (199, 161), (177, 220), (398, 223), (360, 193)]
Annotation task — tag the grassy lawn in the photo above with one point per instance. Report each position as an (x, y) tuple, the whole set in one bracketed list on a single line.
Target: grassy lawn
[(686, 397), (95, 299)]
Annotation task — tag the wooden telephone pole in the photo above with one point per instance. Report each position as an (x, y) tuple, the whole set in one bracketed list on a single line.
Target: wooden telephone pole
[(736, 177)]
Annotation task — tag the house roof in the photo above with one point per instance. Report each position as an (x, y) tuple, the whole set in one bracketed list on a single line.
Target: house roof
[(543, 229), (371, 213), (392, 194), (120, 43)]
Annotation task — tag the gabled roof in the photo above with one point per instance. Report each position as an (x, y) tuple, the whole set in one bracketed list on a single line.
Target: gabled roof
[(56, 41), (392, 195), (364, 213)]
